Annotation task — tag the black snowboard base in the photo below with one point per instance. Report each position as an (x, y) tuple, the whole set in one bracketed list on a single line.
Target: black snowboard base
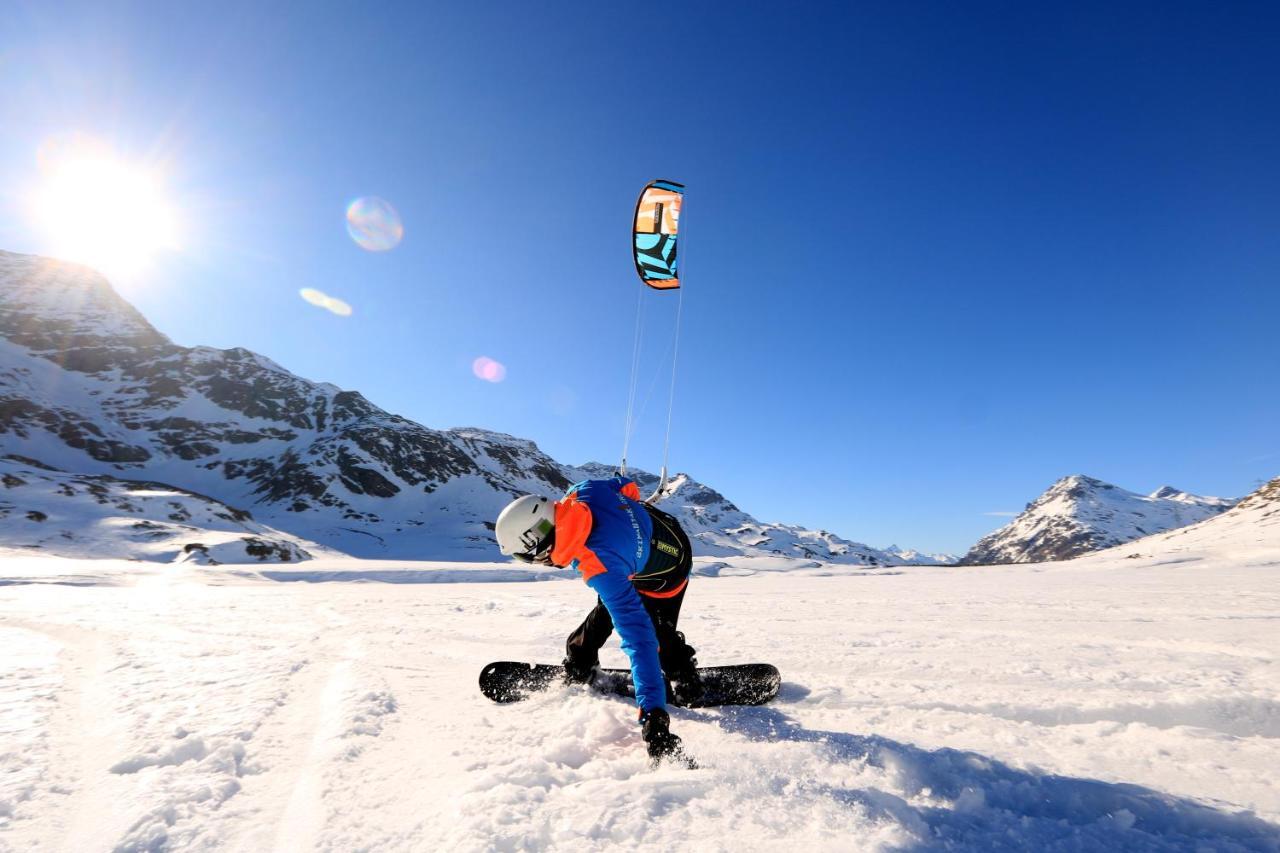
[(740, 684)]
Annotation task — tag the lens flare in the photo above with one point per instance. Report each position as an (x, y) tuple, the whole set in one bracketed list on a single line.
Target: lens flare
[(489, 370), (100, 209), (374, 224), (323, 300)]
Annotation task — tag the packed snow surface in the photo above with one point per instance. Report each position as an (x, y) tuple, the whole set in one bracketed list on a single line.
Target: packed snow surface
[(1117, 702)]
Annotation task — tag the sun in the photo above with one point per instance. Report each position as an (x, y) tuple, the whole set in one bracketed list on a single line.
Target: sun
[(96, 208)]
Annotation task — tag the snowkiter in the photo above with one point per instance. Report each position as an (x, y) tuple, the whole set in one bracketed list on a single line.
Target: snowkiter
[(636, 559)]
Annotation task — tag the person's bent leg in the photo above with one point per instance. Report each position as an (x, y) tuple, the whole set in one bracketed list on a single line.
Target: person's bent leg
[(676, 655), (582, 649)]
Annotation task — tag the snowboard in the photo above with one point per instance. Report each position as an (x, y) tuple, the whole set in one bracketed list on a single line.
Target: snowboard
[(740, 684)]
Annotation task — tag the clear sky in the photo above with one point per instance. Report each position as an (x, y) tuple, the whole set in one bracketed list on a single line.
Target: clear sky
[(937, 255)]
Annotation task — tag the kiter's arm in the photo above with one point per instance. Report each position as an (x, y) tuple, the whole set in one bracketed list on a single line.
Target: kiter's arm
[(639, 640)]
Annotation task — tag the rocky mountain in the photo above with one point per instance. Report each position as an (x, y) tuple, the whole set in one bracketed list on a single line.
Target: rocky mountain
[(1080, 514), (97, 516), (1250, 530), (88, 386)]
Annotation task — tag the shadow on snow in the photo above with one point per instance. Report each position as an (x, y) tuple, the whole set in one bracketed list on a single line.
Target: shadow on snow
[(966, 801)]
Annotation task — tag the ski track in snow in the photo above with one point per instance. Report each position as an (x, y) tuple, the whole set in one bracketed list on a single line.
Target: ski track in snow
[(1130, 705)]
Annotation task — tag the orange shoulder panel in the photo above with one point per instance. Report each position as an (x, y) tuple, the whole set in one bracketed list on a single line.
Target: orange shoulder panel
[(573, 526), (631, 490)]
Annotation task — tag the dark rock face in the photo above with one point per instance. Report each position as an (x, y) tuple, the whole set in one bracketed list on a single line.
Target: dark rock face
[(263, 550), (364, 481), (21, 417), (710, 497)]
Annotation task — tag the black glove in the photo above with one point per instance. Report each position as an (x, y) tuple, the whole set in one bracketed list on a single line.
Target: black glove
[(657, 734), (578, 671)]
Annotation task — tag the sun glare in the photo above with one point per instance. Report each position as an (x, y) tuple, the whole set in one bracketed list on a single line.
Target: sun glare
[(98, 209)]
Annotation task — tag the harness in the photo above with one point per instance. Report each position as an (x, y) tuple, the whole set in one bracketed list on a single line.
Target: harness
[(670, 558)]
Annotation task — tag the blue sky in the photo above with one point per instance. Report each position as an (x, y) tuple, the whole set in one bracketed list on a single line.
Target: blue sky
[(937, 255)]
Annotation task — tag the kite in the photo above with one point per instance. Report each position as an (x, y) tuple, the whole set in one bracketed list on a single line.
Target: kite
[(655, 232)]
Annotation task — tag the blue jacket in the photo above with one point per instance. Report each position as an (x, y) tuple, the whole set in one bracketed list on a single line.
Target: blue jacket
[(603, 531)]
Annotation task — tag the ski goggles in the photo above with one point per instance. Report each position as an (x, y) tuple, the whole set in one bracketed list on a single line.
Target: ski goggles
[(538, 542)]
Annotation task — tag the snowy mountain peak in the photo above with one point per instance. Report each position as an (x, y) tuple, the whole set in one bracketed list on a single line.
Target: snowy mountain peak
[(1078, 485), (916, 558), (1078, 514), (495, 438), (67, 312)]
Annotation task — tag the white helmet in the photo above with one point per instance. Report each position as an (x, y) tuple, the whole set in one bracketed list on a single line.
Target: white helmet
[(525, 528)]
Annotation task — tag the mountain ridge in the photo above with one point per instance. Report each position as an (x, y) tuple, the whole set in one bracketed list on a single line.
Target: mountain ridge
[(89, 386), (1079, 514)]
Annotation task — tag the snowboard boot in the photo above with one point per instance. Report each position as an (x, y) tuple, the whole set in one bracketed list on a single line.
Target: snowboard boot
[(683, 684), (577, 671), (685, 687)]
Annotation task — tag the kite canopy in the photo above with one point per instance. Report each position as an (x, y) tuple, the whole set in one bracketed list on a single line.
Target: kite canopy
[(655, 232)]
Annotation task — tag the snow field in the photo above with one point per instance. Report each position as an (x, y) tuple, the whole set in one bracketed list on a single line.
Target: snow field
[(1126, 704)]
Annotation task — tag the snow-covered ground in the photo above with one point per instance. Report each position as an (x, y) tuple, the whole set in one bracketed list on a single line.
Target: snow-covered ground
[(1112, 703)]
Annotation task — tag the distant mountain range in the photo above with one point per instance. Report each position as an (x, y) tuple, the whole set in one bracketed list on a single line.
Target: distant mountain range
[(117, 442), (271, 465), (1079, 514), (1251, 527)]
